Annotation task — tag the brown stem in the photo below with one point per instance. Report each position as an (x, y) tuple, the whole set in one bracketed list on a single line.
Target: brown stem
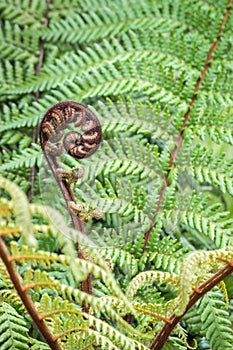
[(66, 192), (165, 332), (79, 146), (86, 286), (180, 137), (40, 323)]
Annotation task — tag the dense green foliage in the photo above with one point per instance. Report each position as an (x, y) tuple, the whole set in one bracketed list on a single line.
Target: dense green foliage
[(136, 64)]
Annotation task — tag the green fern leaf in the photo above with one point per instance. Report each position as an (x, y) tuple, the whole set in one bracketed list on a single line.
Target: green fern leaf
[(215, 319), (22, 212), (28, 158), (13, 329)]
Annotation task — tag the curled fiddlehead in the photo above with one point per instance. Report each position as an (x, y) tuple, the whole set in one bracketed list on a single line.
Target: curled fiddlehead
[(59, 134), (56, 121)]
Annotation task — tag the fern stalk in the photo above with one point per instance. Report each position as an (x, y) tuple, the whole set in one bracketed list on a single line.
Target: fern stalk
[(201, 290), (42, 327)]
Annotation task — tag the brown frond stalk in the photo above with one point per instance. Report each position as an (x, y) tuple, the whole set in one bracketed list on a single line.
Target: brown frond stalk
[(40, 323), (163, 335)]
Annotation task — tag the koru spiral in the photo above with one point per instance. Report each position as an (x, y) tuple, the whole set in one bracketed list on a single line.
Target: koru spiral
[(54, 137)]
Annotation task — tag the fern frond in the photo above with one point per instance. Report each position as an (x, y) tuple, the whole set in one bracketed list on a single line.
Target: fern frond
[(116, 336), (17, 44), (58, 307), (11, 297), (125, 77), (192, 272), (28, 159), (38, 345), (123, 259), (31, 114), (114, 79), (158, 260), (148, 277), (162, 252), (214, 176), (206, 222), (120, 207), (209, 169), (117, 238), (217, 133), (130, 117), (107, 22), (13, 329), (133, 159), (132, 46), (21, 212), (80, 268), (13, 74), (15, 137), (216, 323), (22, 12)]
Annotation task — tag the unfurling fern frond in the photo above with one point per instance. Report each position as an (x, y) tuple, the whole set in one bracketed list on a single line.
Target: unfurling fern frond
[(192, 274), (153, 206)]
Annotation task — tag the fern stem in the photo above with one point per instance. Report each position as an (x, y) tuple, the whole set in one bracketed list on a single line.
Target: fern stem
[(88, 346), (49, 314), (205, 287), (152, 314), (86, 286), (75, 329), (10, 232), (41, 325), (66, 192), (47, 131), (180, 138), (39, 284)]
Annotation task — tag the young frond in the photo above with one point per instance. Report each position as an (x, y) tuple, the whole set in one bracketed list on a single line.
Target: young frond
[(195, 269), (149, 277)]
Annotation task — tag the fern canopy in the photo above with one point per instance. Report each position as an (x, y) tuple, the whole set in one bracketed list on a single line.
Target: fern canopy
[(158, 75)]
